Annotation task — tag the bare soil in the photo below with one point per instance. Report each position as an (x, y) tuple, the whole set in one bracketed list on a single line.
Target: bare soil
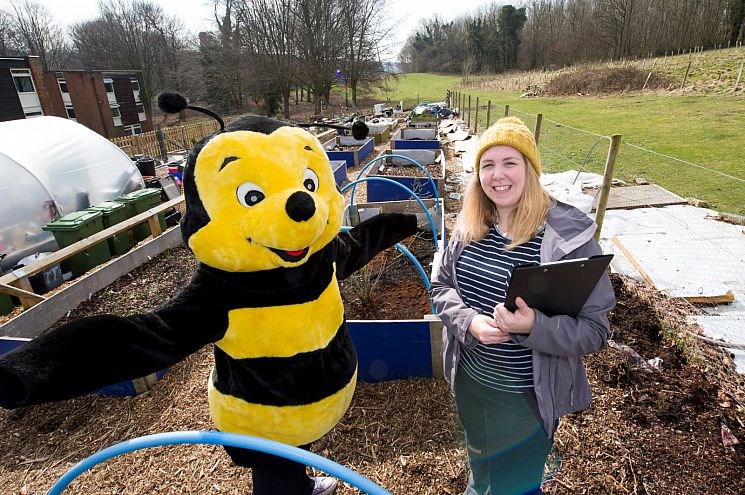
[(434, 170), (604, 81), (390, 287)]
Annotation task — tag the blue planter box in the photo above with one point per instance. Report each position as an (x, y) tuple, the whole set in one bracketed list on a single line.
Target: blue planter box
[(128, 388), (382, 191), (395, 349), (353, 157), (363, 211), (415, 139), (339, 169)]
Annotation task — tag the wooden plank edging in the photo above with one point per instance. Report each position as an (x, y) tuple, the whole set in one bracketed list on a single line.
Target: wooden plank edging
[(36, 320)]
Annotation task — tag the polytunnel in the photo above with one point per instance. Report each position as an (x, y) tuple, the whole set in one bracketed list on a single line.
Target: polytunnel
[(50, 167)]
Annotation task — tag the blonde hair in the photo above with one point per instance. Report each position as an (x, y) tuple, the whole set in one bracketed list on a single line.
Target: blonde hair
[(479, 213)]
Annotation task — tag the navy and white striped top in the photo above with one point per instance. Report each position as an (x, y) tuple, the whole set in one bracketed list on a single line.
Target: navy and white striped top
[(483, 273)]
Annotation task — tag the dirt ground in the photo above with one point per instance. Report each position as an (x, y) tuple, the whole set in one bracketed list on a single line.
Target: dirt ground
[(647, 432)]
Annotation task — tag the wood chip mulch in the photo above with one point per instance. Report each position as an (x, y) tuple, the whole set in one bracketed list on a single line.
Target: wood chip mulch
[(646, 433)]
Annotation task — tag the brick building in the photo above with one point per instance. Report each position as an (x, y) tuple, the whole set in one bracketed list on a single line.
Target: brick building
[(107, 102)]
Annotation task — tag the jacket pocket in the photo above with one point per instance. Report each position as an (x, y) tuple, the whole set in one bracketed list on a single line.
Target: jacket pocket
[(563, 381)]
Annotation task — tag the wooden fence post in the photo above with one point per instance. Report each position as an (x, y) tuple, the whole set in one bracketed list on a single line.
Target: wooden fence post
[(469, 111), (687, 69), (506, 110), (615, 143), (739, 75), (476, 118), (649, 75), (538, 122), (488, 114)]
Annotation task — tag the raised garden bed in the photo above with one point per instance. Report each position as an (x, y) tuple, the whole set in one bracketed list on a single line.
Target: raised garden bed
[(388, 315), (339, 169), (423, 124), (415, 139), (408, 174), (380, 133), (387, 305), (351, 150), (380, 129)]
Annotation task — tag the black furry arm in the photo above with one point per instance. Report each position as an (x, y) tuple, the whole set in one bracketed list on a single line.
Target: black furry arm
[(92, 352), (355, 248)]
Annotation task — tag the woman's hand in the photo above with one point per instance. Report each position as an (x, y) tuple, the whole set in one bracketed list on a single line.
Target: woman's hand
[(485, 330), (521, 321)]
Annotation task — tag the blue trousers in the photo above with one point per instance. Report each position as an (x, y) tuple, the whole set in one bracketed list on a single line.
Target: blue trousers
[(506, 441)]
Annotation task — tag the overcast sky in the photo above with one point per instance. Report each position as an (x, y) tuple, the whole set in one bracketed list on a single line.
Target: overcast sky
[(198, 14)]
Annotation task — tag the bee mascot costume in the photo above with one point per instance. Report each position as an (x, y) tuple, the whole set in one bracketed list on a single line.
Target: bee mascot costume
[(263, 215)]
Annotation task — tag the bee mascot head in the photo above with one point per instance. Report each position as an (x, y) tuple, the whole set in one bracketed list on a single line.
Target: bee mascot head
[(259, 193)]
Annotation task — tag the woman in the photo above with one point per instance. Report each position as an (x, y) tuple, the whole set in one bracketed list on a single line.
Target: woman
[(513, 374)]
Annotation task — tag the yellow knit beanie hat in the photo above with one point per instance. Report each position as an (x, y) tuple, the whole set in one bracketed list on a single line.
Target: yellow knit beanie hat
[(510, 131)]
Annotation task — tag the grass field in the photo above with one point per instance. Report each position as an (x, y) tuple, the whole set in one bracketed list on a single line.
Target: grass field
[(707, 130)]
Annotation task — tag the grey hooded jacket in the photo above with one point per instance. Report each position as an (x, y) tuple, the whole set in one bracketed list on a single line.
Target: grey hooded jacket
[(558, 342)]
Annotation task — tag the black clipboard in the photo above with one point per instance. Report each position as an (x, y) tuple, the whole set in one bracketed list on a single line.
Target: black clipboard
[(560, 287)]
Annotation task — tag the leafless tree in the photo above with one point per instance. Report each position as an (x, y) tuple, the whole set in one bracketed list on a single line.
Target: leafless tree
[(364, 29), (564, 32), (226, 71), (30, 29), (135, 35), (320, 44), (268, 38)]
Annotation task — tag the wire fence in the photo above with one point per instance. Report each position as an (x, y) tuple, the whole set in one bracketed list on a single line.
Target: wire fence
[(689, 253), (565, 147)]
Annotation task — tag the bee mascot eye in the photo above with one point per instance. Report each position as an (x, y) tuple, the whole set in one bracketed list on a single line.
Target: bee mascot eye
[(310, 180), (249, 194)]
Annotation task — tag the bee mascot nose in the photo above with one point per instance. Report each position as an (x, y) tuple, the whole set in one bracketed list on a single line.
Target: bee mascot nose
[(300, 206)]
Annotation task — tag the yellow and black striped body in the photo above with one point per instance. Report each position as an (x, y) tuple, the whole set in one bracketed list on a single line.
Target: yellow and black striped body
[(285, 368)]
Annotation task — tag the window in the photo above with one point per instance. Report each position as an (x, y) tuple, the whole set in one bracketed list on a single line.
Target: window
[(131, 130), (62, 85), (70, 112), (141, 112), (109, 85), (23, 81), (135, 84), (116, 114), (37, 113)]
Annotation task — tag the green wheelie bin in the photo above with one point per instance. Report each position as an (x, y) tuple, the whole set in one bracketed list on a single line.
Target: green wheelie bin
[(6, 304), (138, 202), (77, 226), (113, 213)]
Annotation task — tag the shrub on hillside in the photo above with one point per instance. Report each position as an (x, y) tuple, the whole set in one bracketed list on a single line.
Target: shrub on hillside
[(603, 81)]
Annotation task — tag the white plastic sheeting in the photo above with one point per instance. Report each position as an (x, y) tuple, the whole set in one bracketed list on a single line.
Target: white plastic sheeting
[(49, 167)]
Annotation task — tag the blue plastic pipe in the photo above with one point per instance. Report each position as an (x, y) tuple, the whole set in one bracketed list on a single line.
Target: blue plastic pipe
[(420, 269), (220, 438), (381, 157), (426, 212)]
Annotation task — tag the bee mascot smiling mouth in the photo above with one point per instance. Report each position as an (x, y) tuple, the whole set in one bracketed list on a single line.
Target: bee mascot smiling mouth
[(262, 217)]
